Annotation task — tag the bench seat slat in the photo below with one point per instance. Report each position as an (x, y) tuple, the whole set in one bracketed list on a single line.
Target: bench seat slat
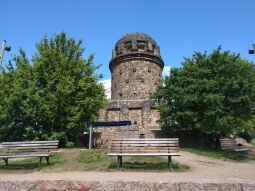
[(29, 145), (145, 148), (142, 150), (147, 139), (37, 152), (26, 155), (145, 145), (144, 142), (27, 151), (236, 149), (240, 149), (144, 154), (137, 152), (145, 151), (30, 142)]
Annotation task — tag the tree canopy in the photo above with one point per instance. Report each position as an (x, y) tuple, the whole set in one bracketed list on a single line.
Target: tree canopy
[(212, 94), (51, 97)]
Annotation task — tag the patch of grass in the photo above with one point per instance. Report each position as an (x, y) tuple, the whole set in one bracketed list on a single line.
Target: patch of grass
[(180, 167), (213, 153), (150, 166), (93, 156), (97, 160), (151, 163), (251, 157), (206, 162), (32, 163), (204, 152), (252, 141)]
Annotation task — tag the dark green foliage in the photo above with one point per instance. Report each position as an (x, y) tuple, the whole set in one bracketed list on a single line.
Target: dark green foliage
[(52, 97), (211, 94), (16, 89)]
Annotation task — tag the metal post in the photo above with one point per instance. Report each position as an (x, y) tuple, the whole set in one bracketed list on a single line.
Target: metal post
[(170, 164), (128, 131), (119, 162), (2, 54), (90, 136)]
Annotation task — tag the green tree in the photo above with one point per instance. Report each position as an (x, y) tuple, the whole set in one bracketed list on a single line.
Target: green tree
[(56, 94), (15, 89), (211, 94)]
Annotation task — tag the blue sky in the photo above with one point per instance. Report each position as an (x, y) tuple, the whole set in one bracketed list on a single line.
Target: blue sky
[(180, 27)]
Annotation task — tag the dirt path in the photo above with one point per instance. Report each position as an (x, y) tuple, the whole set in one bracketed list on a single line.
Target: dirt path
[(203, 169), (71, 164), (218, 168)]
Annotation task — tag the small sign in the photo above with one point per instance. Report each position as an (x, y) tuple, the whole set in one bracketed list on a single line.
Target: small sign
[(110, 123)]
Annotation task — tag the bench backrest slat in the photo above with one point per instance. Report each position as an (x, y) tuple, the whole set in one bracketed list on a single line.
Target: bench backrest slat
[(170, 145), (228, 144), (28, 147), (30, 142)]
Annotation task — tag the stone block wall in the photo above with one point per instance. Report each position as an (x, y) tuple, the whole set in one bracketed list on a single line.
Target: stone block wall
[(135, 80), (142, 114)]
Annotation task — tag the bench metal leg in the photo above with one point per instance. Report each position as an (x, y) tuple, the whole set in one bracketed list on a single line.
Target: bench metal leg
[(48, 160), (119, 162), (6, 161), (170, 164), (40, 162), (241, 155)]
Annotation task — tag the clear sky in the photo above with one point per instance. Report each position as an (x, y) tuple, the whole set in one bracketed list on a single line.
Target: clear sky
[(180, 27)]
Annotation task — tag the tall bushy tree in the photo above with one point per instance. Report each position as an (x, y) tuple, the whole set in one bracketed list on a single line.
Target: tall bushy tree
[(16, 84), (57, 94), (211, 94)]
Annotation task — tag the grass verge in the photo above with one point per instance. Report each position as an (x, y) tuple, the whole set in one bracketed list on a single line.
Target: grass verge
[(212, 153), (32, 163), (97, 160)]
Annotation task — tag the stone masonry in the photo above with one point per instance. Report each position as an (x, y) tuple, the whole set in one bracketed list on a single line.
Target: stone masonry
[(136, 68)]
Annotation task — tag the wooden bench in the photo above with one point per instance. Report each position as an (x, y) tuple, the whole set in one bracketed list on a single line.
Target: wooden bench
[(28, 149), (228, 144), (145, 147)]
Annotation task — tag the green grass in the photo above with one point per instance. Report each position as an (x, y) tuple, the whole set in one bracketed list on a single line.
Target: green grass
[(212, 153), (252, 141), (91, 156), (32, 163), (97, 160)]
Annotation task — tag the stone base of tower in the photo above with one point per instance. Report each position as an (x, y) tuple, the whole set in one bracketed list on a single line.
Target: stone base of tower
[(143, 115)]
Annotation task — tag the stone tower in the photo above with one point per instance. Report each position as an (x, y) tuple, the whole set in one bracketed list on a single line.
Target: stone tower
[(136, 67)]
